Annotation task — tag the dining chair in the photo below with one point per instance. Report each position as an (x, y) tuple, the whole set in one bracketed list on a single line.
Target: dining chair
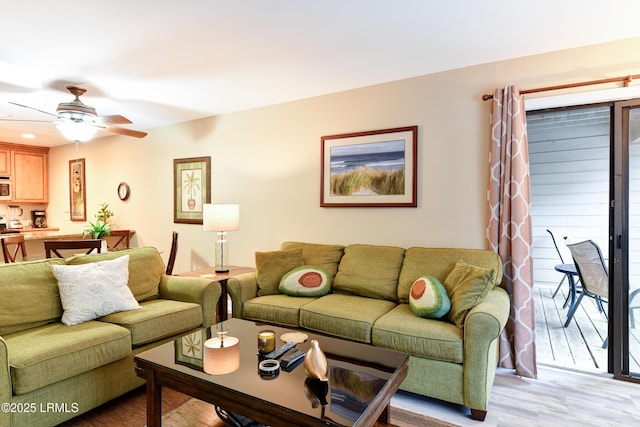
[(55, 246), (593, 274), (9, 251), (118, 240), (172, 253)]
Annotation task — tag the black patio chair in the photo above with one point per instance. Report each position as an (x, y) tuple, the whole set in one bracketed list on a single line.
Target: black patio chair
[(568, 271)]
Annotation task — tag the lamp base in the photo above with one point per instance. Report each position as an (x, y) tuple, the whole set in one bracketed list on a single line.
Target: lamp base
[(221, 263)]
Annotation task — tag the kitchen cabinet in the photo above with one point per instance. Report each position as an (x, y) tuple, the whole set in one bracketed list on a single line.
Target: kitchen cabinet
[(30, 176), (28, 167), (5, 162)]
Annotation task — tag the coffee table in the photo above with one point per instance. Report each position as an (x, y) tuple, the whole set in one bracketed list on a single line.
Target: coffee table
[(362, 380)]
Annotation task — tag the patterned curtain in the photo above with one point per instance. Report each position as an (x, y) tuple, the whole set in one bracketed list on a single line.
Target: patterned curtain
[(509, 227)]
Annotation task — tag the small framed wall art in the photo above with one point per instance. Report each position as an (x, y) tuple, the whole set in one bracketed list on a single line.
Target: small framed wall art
[(77, 191), (370, 169), (192, 188)]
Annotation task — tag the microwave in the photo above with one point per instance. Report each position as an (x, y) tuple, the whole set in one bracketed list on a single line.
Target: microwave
[(5, 188)]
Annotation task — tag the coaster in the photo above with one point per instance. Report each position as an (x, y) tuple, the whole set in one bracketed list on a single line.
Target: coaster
[(296, 337)]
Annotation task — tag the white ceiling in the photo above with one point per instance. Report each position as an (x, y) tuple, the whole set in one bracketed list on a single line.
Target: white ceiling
[(159, 62)]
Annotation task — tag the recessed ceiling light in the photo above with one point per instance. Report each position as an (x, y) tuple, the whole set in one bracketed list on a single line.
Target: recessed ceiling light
[(28, 136)]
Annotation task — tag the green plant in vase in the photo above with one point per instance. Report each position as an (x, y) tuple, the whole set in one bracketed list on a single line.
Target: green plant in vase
[(104, 213), (97, 230), (101, 228)]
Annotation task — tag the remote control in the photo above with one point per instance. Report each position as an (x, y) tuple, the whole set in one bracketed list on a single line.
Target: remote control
[(279, 351), (291, 358)]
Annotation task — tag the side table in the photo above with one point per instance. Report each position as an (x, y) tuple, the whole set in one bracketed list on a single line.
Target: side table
[(221, 278)]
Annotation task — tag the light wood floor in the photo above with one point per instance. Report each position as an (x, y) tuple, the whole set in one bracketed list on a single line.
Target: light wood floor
[(557, 398)]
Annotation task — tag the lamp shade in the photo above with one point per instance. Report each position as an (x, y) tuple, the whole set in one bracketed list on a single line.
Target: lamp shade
[(221, 356), (220, 217)]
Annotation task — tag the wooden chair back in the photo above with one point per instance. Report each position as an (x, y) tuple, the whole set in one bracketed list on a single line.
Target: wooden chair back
[(172, 253), (11, 246), (119, 239), (55, 246)]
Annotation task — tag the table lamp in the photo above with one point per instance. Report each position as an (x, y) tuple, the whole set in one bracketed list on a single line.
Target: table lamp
[(221, 218)]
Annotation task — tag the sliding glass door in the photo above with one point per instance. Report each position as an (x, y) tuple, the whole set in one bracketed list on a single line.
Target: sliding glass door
[(585, 178), (624, 247)]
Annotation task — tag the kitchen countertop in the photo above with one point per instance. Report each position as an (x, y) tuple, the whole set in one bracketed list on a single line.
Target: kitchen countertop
[(47, 233)]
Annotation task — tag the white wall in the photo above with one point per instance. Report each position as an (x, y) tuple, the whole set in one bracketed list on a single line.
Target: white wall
[(268, 161)]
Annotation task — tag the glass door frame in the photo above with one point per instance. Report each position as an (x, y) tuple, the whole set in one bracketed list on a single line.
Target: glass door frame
[(619, 243)]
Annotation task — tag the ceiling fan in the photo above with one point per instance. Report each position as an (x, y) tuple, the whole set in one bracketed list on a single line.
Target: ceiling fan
[(78, 121)]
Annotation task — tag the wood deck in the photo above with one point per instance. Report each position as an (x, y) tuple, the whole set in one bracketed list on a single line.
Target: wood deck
[(579, 345)]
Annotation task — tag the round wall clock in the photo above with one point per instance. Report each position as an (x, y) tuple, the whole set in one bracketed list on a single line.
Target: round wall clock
[(123, 191)]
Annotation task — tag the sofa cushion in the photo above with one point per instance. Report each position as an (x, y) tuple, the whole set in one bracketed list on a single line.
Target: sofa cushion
[(428, 298), (157, 319), (279, 309), (271, 266), (306, 281), (28, 281), (54, 352), (467, 285), (145, 269), (319, 254), (370, 271), (435, 339), (438, 263), (345, 316), (89, 291)]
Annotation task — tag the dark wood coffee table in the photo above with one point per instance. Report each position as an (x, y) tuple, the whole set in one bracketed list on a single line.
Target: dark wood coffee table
[(362, 380)]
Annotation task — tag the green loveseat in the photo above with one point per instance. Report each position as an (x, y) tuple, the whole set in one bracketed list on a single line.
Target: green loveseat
[(369, 303), (51, 372)]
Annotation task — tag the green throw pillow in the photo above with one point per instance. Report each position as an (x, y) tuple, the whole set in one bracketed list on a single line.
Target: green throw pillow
[(428, 298), (467, 285), (271, 266), (306, 281)]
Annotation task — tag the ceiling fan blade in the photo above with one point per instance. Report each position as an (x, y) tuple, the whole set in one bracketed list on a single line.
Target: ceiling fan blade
[(115, 119), (32, 108), (127, 132), (25, 120)]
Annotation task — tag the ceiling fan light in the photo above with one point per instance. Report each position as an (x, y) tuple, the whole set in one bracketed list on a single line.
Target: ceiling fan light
[(77, 131)]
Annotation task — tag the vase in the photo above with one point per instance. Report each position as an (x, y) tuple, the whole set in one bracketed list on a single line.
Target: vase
[(315, 362)]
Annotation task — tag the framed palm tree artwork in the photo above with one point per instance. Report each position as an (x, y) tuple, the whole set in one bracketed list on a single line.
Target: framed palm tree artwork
[(192, 188)]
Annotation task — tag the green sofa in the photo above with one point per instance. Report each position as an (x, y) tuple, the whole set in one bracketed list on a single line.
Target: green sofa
[(369, 303), (51, 372)]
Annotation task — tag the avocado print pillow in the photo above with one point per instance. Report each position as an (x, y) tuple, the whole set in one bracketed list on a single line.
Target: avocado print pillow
[(428, 298), (306, 281)]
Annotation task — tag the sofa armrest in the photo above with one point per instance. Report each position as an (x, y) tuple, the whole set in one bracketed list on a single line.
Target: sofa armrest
[(199, 290), (5, 383), (241, 288), (482, 328)]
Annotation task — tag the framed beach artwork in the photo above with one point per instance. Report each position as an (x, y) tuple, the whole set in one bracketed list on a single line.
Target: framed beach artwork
[(191, 188), (370, 169), (77, 191)]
